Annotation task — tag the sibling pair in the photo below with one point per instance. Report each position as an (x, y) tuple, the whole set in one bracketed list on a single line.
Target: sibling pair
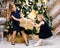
[(16, 15)]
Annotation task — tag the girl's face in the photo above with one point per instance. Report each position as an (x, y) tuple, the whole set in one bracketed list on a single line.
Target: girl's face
[(39, 17), (14, 8)]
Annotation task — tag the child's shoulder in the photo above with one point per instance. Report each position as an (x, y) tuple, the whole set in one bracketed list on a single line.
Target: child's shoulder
[(42, 22)]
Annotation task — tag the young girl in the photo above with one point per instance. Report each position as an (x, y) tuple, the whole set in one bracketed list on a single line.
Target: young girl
[(45, 31), (17, 18)]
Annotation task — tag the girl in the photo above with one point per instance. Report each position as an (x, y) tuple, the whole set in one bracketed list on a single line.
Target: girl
[(17, 18), (45, 31)]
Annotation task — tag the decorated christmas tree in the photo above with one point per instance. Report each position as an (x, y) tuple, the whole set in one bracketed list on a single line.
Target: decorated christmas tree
[(31, 8)]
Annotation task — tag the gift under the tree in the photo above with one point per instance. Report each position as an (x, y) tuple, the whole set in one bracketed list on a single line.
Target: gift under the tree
[(18, 39)]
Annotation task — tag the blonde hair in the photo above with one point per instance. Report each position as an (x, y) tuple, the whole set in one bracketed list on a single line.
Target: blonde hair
[(11, 5), (41, 16)]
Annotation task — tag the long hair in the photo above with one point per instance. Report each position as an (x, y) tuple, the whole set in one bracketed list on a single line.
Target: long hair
[(11, 5)]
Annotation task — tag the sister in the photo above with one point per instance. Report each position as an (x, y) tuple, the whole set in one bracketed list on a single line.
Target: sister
[(17, 18), (45, 31)]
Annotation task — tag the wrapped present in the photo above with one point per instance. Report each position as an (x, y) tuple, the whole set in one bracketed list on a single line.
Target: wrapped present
[(9, 37), (18, 39), (26, 23)]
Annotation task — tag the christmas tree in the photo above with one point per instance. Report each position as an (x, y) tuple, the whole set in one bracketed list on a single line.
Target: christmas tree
[(33, 7)]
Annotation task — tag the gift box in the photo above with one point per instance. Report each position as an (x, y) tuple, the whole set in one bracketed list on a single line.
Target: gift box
[(18, 39), (26, 23)]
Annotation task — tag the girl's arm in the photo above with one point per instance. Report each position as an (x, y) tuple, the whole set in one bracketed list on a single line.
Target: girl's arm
[(16, 18), (38, 25)]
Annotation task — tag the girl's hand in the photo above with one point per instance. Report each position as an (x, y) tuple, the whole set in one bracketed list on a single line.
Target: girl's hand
[(20, 20), (33, 23)]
